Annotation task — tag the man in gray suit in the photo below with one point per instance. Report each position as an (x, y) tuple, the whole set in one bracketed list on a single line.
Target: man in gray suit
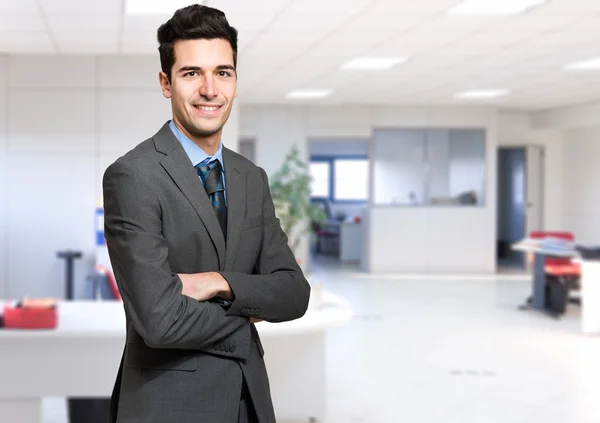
[(197, 251)]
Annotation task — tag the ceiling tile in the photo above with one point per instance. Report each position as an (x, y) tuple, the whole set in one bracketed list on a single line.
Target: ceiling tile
[(26, 46), (237, 6), (81, 21), (251, 21), (146, 36), (20, 6), (309, 21), (23, 37), (82, 38), (87, 49), (21, 22), (135, 48), (143, 22), (331, 6), (414, 7), (292, 38), (568, 7), (76, 6)]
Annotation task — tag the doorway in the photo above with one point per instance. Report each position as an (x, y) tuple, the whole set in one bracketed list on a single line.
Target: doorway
[(520, 201)]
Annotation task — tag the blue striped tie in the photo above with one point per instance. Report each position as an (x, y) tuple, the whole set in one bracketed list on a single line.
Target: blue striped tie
[(212, 179)]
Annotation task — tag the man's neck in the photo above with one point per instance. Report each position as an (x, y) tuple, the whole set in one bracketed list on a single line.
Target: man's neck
[(208, 144)]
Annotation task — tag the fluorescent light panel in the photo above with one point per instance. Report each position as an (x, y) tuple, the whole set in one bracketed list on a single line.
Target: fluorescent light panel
[(309, 93), (156, 7), (373, 63), (590, 64), (481, 94), (494, 7)]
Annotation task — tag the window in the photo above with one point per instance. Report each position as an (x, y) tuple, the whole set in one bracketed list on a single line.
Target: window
[(319, 171), (340, 179), (351, 179)]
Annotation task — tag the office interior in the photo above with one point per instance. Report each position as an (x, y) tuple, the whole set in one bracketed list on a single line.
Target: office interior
[(480, 127)]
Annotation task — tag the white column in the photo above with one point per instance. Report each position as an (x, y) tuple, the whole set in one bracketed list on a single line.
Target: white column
[(231, 130), (279, 128), (3, 137)]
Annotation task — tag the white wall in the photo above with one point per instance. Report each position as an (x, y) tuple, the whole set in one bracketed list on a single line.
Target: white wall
[(522, 129), (65, 126), (572, 191), (405, 239), (581, 196), (339, 147), (3, 173), (393, 229)]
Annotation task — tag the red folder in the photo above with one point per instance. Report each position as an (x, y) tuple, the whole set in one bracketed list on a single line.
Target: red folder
[(31, 314)]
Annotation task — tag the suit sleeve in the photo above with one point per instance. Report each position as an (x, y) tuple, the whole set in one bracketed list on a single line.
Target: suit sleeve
[(278, 292), (151, 292)]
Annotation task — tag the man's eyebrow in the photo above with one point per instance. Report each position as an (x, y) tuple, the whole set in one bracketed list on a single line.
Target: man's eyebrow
[(198, 68), (189, 68)]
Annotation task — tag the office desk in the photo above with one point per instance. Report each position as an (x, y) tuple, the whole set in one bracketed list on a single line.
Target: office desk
[(589, 282), (81, 357), (590, 296), (538, 286), (348, 244)]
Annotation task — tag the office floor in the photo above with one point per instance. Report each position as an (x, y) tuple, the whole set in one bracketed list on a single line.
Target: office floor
[(449, 350)]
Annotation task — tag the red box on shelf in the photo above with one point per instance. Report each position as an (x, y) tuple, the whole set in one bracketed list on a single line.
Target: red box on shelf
[(30, 317)]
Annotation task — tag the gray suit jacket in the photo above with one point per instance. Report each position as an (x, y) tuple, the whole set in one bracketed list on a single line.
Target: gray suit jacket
[(184, 360)]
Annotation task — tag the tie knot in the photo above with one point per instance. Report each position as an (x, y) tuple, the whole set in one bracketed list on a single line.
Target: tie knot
[(210, 173)]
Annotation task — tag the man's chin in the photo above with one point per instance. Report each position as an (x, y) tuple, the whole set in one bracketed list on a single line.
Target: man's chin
[(206, 131)]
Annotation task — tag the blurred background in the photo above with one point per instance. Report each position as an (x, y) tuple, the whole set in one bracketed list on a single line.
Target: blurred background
[(437, 133)]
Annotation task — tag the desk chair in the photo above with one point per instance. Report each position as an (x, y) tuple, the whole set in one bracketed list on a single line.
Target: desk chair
[(560, 272), (327, 240), (105, 281)]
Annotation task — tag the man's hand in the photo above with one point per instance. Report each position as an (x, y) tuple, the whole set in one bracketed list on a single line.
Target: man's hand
[(204, 286)]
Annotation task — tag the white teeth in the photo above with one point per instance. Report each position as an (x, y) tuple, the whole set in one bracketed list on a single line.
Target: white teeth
[(207, 108)]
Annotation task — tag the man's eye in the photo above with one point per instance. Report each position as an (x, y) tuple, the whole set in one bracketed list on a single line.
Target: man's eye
[(224, 73), (192, 73)]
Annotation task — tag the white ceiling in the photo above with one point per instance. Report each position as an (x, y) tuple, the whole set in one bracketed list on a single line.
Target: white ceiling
[(301, 44)]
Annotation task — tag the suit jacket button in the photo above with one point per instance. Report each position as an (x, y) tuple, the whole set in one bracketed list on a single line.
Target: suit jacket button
[(221, 347), (216, 347), (227, 348), (232, 348)]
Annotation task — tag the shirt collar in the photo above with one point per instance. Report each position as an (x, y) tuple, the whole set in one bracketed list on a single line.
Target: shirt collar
[(195, 153)]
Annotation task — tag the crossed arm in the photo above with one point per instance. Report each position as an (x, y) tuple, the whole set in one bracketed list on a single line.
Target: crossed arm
[(173, 311)]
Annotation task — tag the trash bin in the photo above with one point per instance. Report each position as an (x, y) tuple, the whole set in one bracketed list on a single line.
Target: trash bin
[(89, 410)]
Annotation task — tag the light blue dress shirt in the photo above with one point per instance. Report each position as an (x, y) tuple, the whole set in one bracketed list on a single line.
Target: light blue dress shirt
[(196, 154)]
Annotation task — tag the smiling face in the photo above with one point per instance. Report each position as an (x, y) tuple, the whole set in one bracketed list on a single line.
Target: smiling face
[(202, 88)]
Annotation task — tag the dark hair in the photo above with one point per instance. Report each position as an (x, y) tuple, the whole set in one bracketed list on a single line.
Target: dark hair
[(192, 23)]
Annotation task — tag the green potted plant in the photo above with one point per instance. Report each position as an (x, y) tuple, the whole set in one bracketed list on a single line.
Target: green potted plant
[(290, 189)]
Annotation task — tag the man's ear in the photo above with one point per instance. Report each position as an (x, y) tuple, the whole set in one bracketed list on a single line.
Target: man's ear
[(165, 85)]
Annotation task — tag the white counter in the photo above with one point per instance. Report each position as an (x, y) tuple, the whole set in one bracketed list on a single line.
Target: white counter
[(80, 358)]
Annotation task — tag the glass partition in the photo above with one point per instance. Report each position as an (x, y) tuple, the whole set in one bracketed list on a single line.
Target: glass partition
[(429, 167)]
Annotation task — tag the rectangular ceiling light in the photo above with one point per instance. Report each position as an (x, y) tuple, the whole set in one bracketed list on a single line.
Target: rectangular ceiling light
[(309, 93), (494, 7), (373, 63), (481, 94), (590, 64), (156, 7)]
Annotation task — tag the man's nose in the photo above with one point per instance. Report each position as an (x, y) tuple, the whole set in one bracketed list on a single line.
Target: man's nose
[(208, 88)]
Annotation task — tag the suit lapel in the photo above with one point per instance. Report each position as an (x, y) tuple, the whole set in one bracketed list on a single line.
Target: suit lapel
[(178, 166), (235, 188)]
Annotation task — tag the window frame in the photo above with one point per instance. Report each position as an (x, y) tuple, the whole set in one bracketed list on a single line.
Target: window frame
[(331, 159)]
